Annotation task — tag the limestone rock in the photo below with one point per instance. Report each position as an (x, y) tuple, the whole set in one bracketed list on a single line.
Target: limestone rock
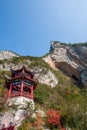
[(46, 76), (18, 108), (71, 59), (7, 55)]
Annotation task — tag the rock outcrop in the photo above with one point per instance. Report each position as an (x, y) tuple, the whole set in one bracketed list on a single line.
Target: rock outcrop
[(46, 77), (71, 59), (7, 55), (17, 110)]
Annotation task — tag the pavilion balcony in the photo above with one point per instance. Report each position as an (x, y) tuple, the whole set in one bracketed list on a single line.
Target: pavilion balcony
[(24, 94)]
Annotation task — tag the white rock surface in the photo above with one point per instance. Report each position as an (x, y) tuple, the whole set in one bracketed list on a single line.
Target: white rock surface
[(46, 76), (20, 101), (17, 114), (49, 78), (7, 55), (42, 114)]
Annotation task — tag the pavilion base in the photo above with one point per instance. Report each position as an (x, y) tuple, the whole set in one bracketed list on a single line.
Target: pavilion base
[(18, 109), (21, 102)]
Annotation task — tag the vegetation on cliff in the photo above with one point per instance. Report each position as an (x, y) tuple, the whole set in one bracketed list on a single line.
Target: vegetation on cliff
[(65, 97)]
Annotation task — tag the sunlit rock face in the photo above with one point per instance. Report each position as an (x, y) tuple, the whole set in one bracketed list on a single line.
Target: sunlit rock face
[(45, 76), (71, 59), (7, 55), (17, 109), (20, 102)]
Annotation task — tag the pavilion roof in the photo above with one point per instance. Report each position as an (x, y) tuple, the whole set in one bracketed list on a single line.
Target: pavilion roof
[(9, 80), (21, 74), (22, 69)]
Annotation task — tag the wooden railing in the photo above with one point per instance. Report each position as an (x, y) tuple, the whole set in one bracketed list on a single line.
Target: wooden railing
[(8, 128), (24, 94)]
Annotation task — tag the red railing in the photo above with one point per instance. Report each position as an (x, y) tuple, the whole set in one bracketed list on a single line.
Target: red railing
[(8, 128), (24, 94)]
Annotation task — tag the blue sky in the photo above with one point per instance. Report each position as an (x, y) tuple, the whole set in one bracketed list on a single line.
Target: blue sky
[(28, 26)]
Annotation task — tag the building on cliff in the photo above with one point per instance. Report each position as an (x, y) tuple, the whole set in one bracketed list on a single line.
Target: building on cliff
[(21, 83), (20, 87)]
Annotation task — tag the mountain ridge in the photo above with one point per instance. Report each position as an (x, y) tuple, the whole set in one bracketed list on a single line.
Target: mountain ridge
[(55, 88), (69, 58)]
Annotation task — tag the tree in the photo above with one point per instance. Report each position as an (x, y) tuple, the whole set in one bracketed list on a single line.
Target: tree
[(53, 118)]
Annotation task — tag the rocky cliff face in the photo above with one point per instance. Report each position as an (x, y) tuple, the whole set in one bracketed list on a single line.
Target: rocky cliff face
[(71, 59), (17, 110)]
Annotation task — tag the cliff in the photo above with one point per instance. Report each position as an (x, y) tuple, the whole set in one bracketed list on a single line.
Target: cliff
[(71, 59), (55, 88)]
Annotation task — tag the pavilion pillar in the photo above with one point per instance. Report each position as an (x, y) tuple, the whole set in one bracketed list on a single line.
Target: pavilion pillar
[(21, 88), (10, 90), (31, 93)]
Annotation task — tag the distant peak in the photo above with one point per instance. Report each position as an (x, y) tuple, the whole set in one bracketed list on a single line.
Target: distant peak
[(6, 54)]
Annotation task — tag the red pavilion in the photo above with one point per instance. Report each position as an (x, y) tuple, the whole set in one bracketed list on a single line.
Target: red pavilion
[(21, 83)]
